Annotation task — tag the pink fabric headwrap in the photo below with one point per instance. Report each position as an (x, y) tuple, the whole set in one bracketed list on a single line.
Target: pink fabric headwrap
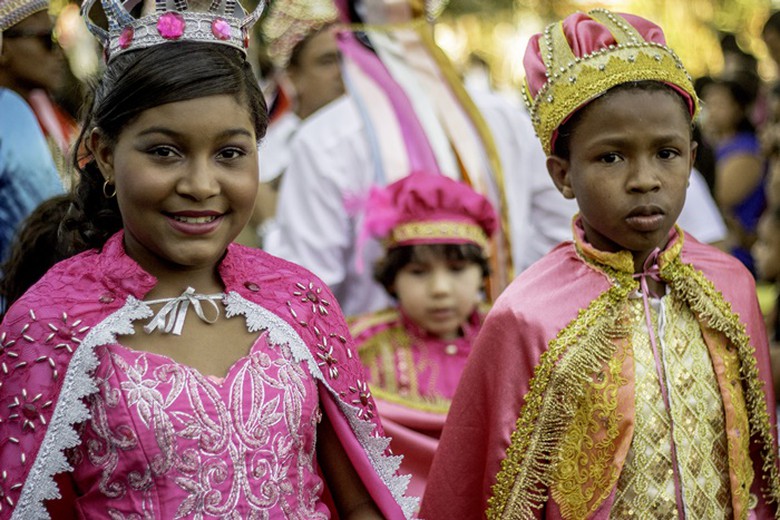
[(585, 36), (422, 197)]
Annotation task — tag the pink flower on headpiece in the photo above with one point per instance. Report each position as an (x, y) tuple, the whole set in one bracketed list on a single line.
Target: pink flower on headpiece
[(171, 26), (220, 29), (126, 37)]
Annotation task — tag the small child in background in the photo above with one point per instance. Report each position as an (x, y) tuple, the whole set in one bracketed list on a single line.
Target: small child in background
[(436, 232), (626, 373)]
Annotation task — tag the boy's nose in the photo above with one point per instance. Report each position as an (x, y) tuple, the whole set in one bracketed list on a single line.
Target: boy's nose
[(644, 177)]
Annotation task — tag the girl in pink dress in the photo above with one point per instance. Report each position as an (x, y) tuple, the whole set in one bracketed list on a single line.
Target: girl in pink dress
[(436, 233), (164, 372)]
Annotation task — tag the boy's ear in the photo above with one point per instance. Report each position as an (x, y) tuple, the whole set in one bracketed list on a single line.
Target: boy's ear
[(558, 168), (102, 151)]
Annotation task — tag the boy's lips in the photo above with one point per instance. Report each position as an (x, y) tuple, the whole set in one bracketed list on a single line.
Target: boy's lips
[(646, 219)]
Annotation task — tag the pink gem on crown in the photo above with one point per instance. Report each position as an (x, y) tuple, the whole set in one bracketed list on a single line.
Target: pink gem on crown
[(220, 29), (171, 26), (126, 38), (225, 23)]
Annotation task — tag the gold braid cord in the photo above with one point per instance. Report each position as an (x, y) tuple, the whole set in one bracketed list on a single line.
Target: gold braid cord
[(581, 349)]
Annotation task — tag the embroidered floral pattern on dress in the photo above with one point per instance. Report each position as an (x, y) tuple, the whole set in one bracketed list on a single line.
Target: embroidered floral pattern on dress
[(245, 448), (53, 354)]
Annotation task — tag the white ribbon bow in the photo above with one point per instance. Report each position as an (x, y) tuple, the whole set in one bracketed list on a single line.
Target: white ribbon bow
[(170, 318)]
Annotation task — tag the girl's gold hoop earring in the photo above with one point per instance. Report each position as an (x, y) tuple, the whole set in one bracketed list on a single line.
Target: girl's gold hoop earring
[(106, 194)]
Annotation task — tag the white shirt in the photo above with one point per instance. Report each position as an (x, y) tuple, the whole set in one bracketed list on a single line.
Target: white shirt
[(331, 171)]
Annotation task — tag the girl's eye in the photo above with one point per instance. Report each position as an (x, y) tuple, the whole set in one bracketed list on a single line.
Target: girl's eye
[(415, 269), (162, 151), (231, 153), (457, 266)]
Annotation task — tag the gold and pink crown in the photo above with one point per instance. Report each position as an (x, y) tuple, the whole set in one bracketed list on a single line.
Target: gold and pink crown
[(225, 22), (576, 60), (14, 11)]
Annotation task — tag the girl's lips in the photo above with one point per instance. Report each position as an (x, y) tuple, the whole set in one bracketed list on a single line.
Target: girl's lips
[(194, 223), (441, 314)]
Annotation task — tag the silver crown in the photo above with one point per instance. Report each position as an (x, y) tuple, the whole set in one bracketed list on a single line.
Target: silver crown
[(225, 22)]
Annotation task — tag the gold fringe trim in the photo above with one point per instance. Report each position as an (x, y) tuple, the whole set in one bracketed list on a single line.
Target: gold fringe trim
[(708, 303), (559, 382)]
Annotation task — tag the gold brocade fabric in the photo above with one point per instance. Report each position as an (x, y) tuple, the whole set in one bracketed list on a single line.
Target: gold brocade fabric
[(646, 485)]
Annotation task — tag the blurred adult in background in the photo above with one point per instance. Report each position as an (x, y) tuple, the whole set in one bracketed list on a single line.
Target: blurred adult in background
[(311, 78), (739, 168), (406, 111), (771, 36), (33, 65), (27, 173), (399, 109)]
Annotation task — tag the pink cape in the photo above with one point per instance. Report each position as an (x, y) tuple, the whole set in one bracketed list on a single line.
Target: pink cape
[(529, 314), (48, 361)]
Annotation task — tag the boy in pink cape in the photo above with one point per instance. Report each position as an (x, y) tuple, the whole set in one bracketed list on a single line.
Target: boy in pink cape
[(435, 231), (626, 373)]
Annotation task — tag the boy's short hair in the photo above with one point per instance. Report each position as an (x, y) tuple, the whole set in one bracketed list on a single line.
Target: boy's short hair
[(386, 269)]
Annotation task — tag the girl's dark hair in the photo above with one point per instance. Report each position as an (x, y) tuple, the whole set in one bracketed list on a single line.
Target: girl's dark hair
[(35, 248), (386, 269), (566, 130), (135, 82)]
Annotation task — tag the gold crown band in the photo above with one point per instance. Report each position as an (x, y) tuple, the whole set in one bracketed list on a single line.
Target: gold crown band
[(437, 231), (572, 82)]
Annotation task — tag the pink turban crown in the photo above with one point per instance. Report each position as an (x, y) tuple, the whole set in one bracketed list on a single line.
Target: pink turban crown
[(578, 59)]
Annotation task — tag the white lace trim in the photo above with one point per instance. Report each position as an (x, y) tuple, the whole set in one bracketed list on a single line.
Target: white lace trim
[(71, 411), (78, 383), (281, 332)]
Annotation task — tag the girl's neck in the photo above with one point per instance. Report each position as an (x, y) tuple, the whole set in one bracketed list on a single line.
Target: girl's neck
[(172, 284)]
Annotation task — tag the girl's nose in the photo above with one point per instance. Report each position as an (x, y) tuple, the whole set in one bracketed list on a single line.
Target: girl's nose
[(199, 182)]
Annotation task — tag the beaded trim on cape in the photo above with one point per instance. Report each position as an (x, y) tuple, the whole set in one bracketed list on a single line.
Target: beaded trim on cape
[(70, 411), (573, 81)]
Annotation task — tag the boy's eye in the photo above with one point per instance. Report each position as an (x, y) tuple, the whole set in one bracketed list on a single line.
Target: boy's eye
[(609, 158), (668, 154)]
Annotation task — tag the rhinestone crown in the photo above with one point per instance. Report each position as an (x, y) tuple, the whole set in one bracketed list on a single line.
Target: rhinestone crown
[(225, 22)]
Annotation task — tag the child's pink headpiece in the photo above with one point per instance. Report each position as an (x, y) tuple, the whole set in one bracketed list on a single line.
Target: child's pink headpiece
[(427, 208), (578, 59)]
